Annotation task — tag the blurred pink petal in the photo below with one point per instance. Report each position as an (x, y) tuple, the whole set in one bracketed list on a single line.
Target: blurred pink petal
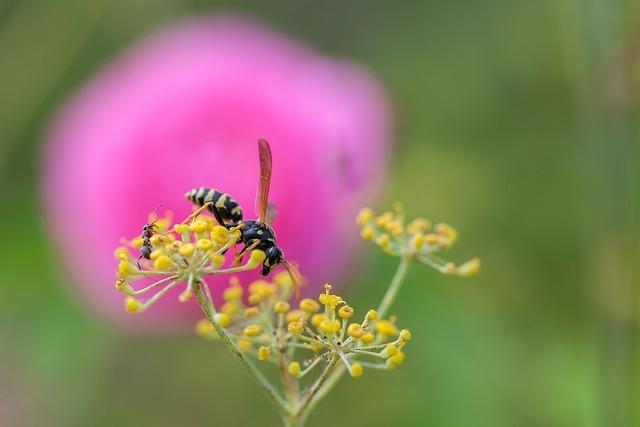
[(184, 108)]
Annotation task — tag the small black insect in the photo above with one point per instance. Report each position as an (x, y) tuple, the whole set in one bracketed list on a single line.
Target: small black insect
[(148, 230)]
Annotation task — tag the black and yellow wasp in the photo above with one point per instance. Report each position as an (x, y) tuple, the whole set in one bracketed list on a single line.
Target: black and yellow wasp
[(255, 234)]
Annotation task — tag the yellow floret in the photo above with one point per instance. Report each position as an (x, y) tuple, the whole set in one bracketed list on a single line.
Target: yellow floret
[(367, 233), (330, 326), (132, 305), (309, 305), (163, 262), (223, 319), (256, 258), (296, 327), (252, 330), (281, 307), (397, 359), (204, 328), (204, 244), (251, 311), (316, 319), (345, 312), (220, 234), (137, 242), (187, 249), (355, 330), (469, 268), (122, 253), (244, 344), (386, 328), (264, 353), (368, 338), (198, 226), (364, 216), (216, 259), (294, 315), (392, 350), (294, 369), (356, 370)]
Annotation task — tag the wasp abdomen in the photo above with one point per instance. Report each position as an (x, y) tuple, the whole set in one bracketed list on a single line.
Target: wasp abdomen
[(219, 203)]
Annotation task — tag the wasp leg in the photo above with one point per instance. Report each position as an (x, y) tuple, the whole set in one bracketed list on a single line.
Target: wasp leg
[(238, 258), (209, 205)]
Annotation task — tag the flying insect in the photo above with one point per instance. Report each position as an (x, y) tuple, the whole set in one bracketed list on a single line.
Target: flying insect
[(254, 234)]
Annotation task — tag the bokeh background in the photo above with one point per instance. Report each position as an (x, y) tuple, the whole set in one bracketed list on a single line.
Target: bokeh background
[(517, 122)]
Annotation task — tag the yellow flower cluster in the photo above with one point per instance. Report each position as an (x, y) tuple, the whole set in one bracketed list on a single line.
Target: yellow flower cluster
[(315, 332), (183, 253), (418, 240)]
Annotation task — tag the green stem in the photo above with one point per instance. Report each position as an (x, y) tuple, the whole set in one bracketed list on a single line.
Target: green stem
[(307, 403), (394, 287), (271, 393)]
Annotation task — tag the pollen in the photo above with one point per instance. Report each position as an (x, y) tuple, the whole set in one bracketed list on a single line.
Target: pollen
[(345, 312), (122, 253), (185, 296), (405, 335), (264, 353), (386, 328), (296, 327), (155, 254), (137, 242), (256, 258), (470, 268), (294, 369), (367, 233), (281, 307), (181, 228), (244, 344), (397, 359), (163, 262), (204, 328), (368, 338), (204, 244), (372, 314), (355, 330), (252, 330), (392, 350), (356, 370), (232, 293), (294, 315), (251, 311), (132, 305), (330, 326), (364, 216), (216, 259), (309, 305), (223, 319), (317, 319), (198, 226), (220, 234), (187, 249), (383, 240)]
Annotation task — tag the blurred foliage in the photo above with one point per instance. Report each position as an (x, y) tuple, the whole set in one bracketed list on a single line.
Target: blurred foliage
[(517, 122)]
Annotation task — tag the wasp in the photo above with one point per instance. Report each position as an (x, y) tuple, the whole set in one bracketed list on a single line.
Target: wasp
[(254, 234)]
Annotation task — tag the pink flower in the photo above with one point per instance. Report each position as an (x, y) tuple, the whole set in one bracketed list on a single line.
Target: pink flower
[(184, 108)]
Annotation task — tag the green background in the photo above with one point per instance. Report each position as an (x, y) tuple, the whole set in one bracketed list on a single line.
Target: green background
[(516, 121)]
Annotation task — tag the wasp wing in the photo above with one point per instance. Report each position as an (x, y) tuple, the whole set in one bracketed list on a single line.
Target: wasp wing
[(262, 197), (295, 275)]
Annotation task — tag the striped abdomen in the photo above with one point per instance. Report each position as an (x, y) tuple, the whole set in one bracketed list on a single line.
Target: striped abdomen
[(223, 203)]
